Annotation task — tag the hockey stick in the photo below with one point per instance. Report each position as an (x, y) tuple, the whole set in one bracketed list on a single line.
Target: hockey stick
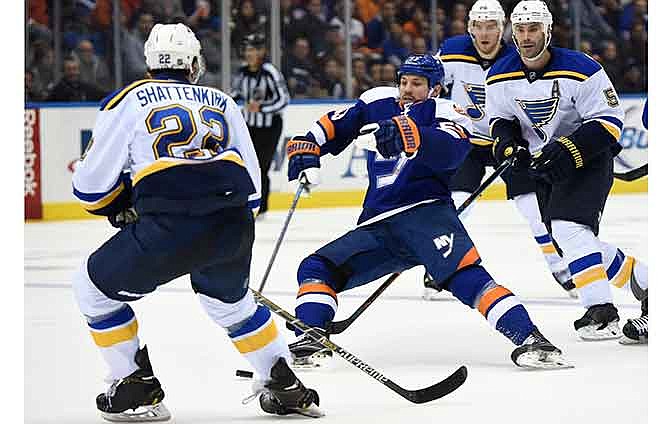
[(303, 184), (436, 391), (337, 327), (633, 174)]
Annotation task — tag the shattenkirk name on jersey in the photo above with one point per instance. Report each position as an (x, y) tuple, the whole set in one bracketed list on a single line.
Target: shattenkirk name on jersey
[(157, 93)]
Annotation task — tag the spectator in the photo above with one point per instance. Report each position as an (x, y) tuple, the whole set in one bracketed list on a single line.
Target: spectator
[(299, 69), (378, 28), (406, 11), (93, 70), (43, 67), (388, 75), (632, 81), (394, 49), (31, 94), (164, 11), (363, 80), (368, 9), (456, 28), (132, 52), (376, 73), (413, 26), (632, 12), (611, 63), (357, 28), (71, 88), (203, 18), (331, 84), (419, 46), (248, 22), (610, 10)]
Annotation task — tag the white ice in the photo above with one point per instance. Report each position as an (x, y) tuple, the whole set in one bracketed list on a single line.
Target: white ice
[(413, 342)]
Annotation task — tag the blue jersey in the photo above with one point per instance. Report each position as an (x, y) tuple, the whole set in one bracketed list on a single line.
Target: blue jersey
[(397, 184)]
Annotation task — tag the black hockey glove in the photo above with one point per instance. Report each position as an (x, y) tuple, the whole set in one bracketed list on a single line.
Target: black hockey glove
[(557, 161), (397, 135), (511, 148), (123, 218)]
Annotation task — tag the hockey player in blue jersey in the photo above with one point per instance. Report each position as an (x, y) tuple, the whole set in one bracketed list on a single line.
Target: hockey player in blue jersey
[(466, 60), (193, 180), (408, 217), (556, 112)]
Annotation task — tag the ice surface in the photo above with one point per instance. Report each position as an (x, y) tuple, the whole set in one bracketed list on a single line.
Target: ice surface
[(415, 343)]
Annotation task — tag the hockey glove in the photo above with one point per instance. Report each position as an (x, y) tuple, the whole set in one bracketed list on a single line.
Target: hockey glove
[(511, 149), (123, 218), (557, 161), (303, 159), (397, 135)]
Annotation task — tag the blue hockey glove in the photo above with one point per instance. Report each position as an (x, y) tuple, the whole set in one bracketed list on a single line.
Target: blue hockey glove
[(397, 135), (557, 161), (303, 159), (123, 218)]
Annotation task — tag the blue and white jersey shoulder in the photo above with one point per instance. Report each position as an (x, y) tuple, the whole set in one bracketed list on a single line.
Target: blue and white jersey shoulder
[(155, 125), (570, 91), (466, 71)]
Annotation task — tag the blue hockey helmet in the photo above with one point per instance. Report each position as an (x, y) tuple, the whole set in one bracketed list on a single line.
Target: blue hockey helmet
[(423, 65)]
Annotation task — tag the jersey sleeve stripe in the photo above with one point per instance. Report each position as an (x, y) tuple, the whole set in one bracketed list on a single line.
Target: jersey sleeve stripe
[(115, 100), (95, 201), (328, 127), (611, 128), (505, 77), (458, 58)]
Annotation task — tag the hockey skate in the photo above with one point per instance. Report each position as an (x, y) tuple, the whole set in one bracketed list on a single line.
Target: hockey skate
[(136, 398), (537, 352), (636, 331), (564, 279), (600, 322), (307, 353), (284, 394), (431, 291)]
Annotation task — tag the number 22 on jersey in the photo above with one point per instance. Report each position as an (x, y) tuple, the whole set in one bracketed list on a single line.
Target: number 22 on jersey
[(168, 140)]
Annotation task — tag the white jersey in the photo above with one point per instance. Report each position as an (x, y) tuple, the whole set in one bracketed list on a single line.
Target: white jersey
[(466, 71), (172, 134), (572, 90)]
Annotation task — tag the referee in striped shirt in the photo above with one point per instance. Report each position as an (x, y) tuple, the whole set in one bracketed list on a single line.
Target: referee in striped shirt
[(263, 90)]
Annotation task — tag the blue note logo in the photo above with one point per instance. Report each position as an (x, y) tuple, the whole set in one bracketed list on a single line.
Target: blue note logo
[(540, 113), (478, 98)]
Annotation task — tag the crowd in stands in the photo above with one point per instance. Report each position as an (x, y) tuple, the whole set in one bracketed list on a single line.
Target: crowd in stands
[(383, 34)]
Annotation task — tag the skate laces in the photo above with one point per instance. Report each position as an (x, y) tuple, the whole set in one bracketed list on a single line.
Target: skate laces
[(257, 389), (640, 324)]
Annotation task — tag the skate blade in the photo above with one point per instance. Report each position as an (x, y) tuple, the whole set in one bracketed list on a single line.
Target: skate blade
[(312, 411), (573, 293), (543, 360), (430, 294), (591, 333), (628, 341), (143, 414)]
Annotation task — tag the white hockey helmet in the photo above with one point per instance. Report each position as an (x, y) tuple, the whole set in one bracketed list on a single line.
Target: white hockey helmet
[(174, 46), (487, 10), (530, 11)]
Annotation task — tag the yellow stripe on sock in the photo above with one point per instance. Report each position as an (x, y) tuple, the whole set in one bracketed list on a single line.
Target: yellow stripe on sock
[(587, 277), (258, 340), (623, 276), (548, 249), (118, 335)]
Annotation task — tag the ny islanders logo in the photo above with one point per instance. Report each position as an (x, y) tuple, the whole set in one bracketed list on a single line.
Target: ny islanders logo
[(478, 98), (541, 112)]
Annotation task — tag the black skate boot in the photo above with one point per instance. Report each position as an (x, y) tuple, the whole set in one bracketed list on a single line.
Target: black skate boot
[(307, 353), (136, 398), (636, 331), (564, 279), (431, 290), (600, 322), (284, 394), (537, 352)]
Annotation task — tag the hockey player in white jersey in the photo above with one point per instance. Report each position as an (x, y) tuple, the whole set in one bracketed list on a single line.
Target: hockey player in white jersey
[(556, 112), (172, 165), (466, 60)]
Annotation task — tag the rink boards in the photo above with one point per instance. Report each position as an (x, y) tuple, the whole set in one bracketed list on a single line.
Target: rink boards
[(57, 134)]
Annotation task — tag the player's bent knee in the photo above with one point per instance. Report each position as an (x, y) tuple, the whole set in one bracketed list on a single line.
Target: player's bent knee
[(573, 236), (229, 315), (91, 301), (468, 284), (316, 268)]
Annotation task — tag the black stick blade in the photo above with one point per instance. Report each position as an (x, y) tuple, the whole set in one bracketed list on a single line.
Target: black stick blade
[(438, 390)]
